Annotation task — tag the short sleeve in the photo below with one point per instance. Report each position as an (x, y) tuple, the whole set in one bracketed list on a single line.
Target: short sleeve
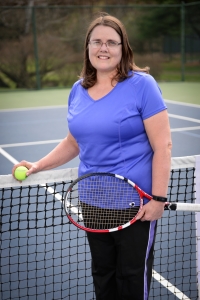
[(72, 92), (150, 100)]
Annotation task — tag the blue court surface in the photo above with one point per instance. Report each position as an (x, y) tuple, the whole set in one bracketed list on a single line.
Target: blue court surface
[(29, 134)]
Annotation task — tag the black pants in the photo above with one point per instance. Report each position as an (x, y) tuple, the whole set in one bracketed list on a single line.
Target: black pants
[(122, 262)]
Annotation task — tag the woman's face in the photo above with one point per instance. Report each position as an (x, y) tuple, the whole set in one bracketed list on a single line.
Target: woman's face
[(105, 58)]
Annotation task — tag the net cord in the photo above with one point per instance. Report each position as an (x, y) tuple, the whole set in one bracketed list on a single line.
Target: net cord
[(72, 173), (43, 177)]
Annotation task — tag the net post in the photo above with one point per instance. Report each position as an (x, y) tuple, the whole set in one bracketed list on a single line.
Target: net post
[(197, 196)]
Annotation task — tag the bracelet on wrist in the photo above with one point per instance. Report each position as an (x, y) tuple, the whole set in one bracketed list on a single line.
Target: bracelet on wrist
[(160, 199)]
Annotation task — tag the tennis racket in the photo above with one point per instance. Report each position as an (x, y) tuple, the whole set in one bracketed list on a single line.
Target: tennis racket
[(105, 202)]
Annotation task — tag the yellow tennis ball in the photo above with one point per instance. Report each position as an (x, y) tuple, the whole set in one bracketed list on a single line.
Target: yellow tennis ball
[(20, 173)]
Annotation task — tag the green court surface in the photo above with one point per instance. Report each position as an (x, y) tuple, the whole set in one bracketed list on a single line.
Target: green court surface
[(187, 92), (180, 91)]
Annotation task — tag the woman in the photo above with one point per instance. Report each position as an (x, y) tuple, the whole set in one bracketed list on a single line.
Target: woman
[(118, 123)]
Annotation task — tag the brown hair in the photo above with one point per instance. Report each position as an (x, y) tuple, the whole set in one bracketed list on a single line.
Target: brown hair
[(88, 73)]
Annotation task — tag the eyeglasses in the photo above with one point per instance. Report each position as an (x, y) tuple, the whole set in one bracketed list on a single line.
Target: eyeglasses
[(99, 44)]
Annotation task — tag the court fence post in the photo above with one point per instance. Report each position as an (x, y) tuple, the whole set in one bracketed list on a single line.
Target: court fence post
[(37, 68), (182, 41)]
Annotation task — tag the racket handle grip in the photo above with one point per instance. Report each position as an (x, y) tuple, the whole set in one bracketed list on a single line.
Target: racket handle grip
[(183, 206)]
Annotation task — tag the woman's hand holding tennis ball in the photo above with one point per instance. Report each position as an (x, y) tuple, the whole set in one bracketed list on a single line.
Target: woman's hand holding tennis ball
[(20, 173), (23, 169)]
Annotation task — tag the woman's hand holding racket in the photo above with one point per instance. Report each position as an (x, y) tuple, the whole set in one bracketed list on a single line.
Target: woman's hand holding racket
[(151, 211)]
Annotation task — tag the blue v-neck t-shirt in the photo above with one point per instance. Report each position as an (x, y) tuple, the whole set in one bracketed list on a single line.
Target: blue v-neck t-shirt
[(110, 131)]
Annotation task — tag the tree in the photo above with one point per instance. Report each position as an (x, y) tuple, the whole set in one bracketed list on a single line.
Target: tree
[(160, 21)]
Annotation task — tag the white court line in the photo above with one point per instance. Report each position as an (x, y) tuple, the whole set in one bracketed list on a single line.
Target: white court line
[(58, 141), (33, 108), (31, 143), (169, 286), (8, 156), (184, 118), (185, 128), (156, 275), (59, 198), (65, 106), (182, 103)]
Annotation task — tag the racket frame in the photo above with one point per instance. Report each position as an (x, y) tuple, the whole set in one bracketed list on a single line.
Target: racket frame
[(172, 206), (141, 193)]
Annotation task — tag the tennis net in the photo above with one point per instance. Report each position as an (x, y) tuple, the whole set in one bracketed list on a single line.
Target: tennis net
[(44, 256)]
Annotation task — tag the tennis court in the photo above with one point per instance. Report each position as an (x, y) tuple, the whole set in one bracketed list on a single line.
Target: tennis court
[(45, 257)]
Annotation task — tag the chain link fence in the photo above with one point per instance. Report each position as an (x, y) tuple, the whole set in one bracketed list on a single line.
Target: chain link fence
[(42, 46)]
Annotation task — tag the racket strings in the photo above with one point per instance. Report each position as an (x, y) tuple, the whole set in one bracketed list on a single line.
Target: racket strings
[(101, 218), (102, 202)]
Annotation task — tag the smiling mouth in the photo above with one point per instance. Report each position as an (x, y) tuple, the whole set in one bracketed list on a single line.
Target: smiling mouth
[(103, 57)]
